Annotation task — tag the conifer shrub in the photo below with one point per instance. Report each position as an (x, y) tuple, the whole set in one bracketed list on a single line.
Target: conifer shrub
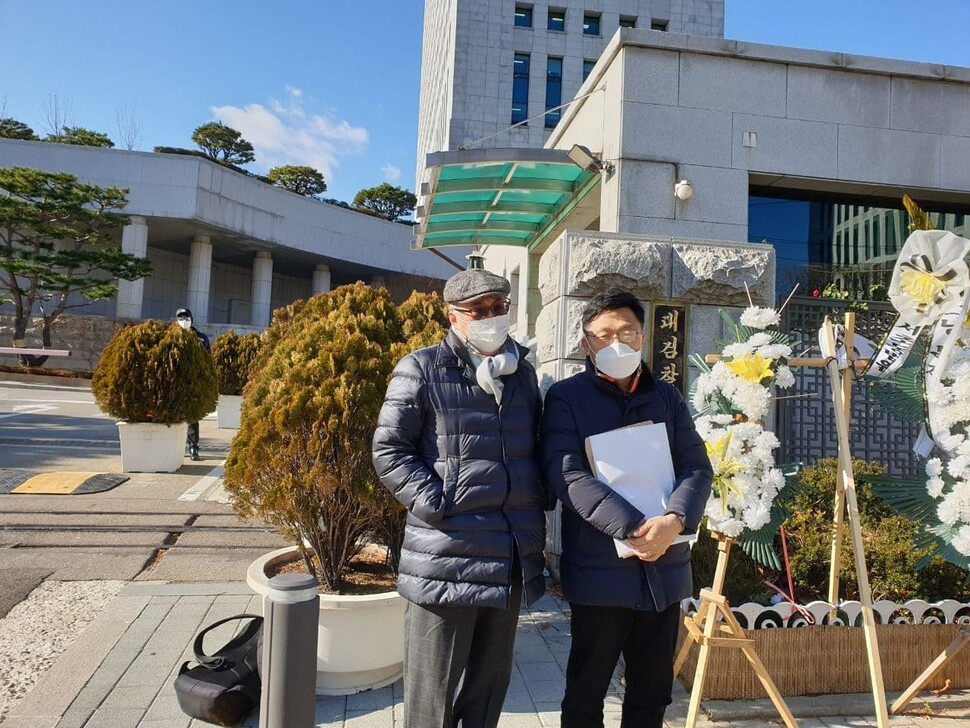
[(155, 372), (233, 356), (301, 460)]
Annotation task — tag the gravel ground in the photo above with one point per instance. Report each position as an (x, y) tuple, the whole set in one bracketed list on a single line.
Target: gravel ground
[(35, 632)]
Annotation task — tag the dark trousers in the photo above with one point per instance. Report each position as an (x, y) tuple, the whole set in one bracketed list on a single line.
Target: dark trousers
[(193, 435), (446, 644), (599, 636)]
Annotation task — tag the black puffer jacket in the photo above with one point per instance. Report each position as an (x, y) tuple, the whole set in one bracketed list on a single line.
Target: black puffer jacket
[(468, 473), (593, 515)]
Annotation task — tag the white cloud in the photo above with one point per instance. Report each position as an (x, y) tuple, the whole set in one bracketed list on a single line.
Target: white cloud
[(284, 133), (391, 173)]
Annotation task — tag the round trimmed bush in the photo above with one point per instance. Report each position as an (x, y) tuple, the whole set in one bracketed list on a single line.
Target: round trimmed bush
[(233, 356), (155, 372)]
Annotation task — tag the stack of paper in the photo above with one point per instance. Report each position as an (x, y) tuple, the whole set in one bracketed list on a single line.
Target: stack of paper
[(635, 462)]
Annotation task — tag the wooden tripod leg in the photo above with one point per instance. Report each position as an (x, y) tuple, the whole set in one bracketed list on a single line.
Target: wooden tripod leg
[(707, 616), (688, 641), (700, 673), (865, 593), (760, 670), (835, 563), (961, 641)]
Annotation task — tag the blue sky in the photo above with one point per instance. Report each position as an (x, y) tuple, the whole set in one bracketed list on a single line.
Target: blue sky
[(335, 84)]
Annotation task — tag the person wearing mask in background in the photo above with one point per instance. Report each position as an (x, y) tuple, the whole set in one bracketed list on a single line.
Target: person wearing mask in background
[(184, 319), (628, 606), (456, 444)]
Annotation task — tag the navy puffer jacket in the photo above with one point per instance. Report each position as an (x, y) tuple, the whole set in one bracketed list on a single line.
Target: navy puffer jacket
[(468, 473), (593, 515)]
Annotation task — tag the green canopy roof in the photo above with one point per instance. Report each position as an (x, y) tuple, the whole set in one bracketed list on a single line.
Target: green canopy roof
[(497, 196)]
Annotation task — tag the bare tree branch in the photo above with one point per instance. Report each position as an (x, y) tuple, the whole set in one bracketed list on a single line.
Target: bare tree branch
[(129, 127), (56, 114)]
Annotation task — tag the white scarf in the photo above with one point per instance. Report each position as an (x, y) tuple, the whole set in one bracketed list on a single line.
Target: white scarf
[(490, 368)]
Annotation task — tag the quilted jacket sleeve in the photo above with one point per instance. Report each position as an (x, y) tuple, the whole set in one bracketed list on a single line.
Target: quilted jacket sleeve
[(400, 426), (564, 466), (692, 467)]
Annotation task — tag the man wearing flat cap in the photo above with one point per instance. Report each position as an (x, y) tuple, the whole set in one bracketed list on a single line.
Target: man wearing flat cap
[(455, 443)]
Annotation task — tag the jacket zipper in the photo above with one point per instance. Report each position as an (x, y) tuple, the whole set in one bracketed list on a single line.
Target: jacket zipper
[(508, 492)]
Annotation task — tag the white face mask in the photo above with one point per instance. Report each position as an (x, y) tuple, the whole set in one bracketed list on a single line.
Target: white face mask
[(185, 323), (617, 360), (489, 335)]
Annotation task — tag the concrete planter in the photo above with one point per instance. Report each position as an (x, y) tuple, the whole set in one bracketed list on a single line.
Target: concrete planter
[(149, 447), (360, 639), (228, 410)]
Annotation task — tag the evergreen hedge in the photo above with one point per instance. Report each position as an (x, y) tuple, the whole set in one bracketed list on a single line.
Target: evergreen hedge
[(155, 372), (233, 356), (301, 460)]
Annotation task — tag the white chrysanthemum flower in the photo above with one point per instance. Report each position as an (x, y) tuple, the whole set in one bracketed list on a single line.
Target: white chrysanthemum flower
[(774, 351), (759, 339), (934, 467), (738, 350), (934, 486), (961, 542), (784, 377), (959, 467), (756, 317)]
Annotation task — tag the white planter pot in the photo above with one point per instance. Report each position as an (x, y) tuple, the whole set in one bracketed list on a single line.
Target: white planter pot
[(228, 410), (149, 447), (360, 639)]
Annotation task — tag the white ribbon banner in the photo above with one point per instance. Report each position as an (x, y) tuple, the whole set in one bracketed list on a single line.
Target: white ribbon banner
[(929, 288)]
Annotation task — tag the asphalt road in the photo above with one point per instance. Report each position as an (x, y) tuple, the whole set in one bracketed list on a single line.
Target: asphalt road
[(157, 526)]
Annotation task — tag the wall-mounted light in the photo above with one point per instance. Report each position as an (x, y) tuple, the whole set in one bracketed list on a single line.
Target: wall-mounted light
[(584, 159), (683, 190)]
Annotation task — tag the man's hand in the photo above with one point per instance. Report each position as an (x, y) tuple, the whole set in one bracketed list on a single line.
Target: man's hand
[(655, 535)]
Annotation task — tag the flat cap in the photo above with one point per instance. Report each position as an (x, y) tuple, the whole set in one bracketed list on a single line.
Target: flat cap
[(183, 312), (474, 283)]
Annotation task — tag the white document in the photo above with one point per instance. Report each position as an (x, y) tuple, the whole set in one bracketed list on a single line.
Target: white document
[(635, 462)]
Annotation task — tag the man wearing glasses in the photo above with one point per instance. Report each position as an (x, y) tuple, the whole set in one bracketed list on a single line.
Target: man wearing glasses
[(628, 606), (456, 444)]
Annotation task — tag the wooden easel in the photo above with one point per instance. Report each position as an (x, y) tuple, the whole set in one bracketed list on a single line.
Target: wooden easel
[(701, 629), (846, 502)]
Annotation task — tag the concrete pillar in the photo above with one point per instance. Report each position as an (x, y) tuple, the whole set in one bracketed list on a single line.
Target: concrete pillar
[(134, 240), (262, 289), (321, 279), (200, 273), (378, 282)]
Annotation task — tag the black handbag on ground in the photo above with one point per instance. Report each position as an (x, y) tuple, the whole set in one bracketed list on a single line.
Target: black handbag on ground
[(224, 687)]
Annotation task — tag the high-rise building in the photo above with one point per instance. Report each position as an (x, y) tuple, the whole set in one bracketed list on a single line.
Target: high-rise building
[(490, 64)]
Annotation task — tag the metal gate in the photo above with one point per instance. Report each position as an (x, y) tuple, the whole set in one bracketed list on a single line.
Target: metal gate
[(806, 425)]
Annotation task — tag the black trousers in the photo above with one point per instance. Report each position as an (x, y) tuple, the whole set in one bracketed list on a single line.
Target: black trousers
[(646, 640), (445, 645), (192, 436)]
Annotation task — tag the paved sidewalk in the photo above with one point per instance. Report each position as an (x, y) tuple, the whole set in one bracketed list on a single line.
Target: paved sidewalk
[(119, 674)]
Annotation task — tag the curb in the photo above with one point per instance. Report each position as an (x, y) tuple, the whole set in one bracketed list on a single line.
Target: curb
[(48, 382)]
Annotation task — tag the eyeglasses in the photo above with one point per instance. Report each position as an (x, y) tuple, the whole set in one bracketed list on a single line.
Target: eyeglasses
[(626, 336), (477, 313)]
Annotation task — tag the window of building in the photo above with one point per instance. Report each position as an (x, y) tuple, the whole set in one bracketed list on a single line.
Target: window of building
[(591, 24), (557, 20), (587, 68), (877, 236), (520, 88), (553, 91), (523, 16), (658, 25), (628, 21)]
